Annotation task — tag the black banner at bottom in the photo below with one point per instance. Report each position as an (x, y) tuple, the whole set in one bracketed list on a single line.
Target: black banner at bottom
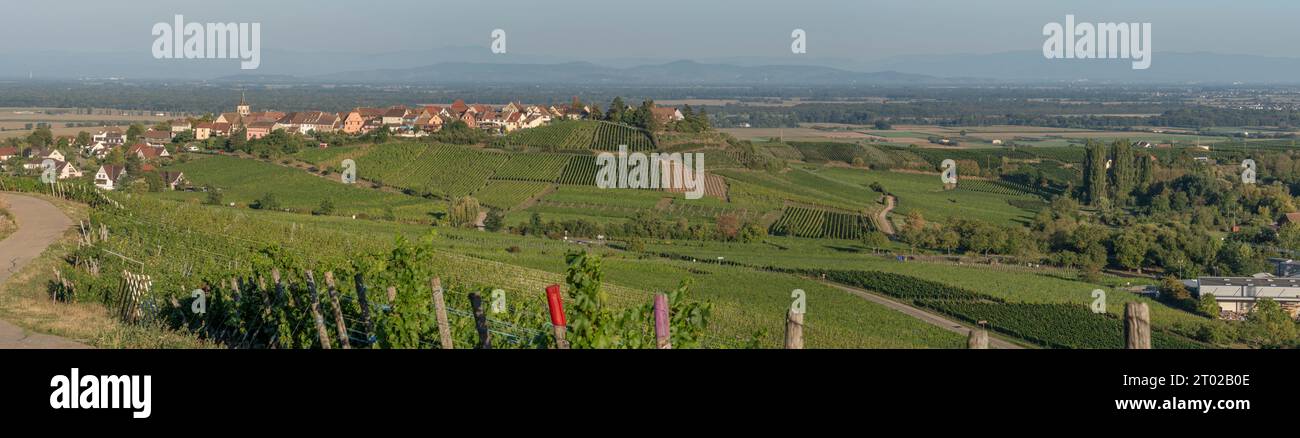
[(191, 388)]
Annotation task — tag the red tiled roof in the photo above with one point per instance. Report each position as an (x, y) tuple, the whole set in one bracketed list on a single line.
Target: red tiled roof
[(459, 106)]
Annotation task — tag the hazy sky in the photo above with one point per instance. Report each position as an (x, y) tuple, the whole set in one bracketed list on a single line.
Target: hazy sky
[(588, 29)]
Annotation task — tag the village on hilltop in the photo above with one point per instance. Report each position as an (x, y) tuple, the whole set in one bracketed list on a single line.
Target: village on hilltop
[(243, 124)]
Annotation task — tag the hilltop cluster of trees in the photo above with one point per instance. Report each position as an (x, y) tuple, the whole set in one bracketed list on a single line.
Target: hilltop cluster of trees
[(642, 116)]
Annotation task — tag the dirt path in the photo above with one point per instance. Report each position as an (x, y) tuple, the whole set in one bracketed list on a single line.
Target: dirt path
[(922, 315), (39, 225), (883, 217)]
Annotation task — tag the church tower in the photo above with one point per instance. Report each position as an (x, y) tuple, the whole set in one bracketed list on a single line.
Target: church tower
[(243, 108)]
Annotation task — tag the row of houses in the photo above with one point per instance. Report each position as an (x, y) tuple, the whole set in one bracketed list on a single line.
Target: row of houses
[(106, 177), (36, 158), (401, 119), (110, 177)]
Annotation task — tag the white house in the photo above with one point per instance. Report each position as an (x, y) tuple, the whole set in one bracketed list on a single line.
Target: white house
[(97, 149), (111, 138), (65, 170), (108, 176), (53, 154)]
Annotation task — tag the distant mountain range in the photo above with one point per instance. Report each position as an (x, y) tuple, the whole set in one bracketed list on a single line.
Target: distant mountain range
[(478, 65), (671, 74)]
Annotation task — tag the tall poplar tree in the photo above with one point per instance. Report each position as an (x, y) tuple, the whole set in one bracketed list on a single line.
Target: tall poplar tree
[(1094, 173), (1123, 173)]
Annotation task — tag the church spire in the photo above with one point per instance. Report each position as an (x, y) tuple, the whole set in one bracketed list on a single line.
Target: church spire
[(243, 109)]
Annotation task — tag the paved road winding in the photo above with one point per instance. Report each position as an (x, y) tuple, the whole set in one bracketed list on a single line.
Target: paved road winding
[(40, 224)]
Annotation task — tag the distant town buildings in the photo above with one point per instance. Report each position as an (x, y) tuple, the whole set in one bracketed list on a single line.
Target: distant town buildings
[(152, 145)]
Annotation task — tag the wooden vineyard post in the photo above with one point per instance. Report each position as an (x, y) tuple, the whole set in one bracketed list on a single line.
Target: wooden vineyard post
[(134, 287), (1137, 326), (277, 300), (365, 306), (315, 312), (440, 312), (392, 295), (663, 338), (978, 340), (234, 289), (555, 302), (279, 289), (794, 330), (338, 311), (480, 321)]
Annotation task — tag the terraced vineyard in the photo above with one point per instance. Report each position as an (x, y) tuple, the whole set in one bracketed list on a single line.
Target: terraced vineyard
[(807, 222), (330, 156), (533, 167), (610, 135), (997, 187), (438, 169), (578, 135), (828, 151), (1053, 325), (559, 135), (581, 170), (505, 195)]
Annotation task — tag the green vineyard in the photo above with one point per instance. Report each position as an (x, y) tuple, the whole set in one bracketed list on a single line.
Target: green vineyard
[(581, 170), (533, 167), (998, 187), (609, 136), (572, 135), (807, 222), (435, 169), (505, 195), (1055, 325), (828, 151)]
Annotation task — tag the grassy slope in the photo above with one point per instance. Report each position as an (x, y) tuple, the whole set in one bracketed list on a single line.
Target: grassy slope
[(924, 193), (24, 301), (243, 181)]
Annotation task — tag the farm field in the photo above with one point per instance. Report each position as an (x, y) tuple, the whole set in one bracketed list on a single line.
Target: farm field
[(14, 121), (243, 181), (924, 193), (794, 134), (799, 185)]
